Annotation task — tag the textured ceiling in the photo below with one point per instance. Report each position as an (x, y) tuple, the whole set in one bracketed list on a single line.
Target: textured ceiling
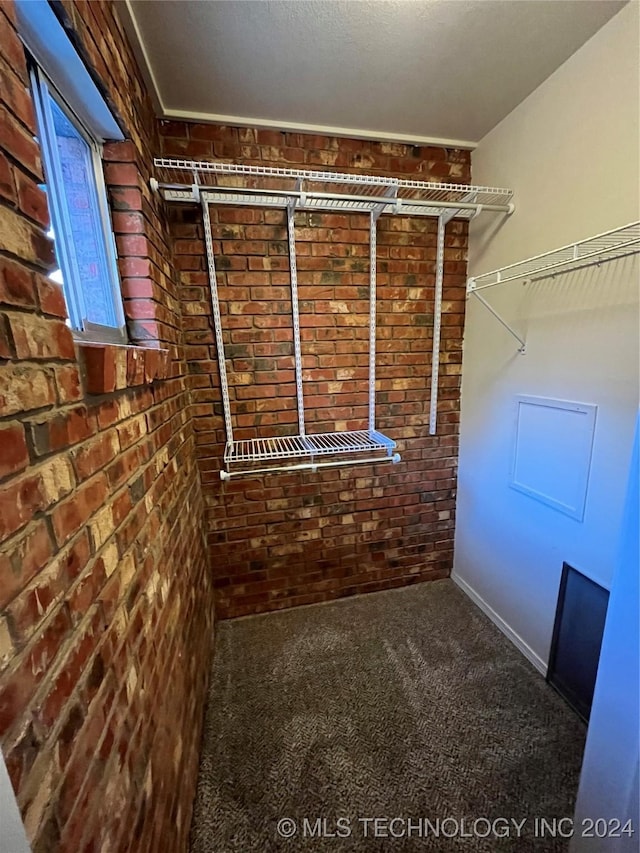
[(416, 69)]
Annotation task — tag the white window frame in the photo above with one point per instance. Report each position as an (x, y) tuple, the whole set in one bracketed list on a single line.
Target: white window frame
[(43, 89)]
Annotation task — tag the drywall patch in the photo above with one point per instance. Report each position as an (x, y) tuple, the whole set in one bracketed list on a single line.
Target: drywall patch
[(552, 446)]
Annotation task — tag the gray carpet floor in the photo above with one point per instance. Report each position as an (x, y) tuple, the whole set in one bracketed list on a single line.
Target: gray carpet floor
[(406, 704)]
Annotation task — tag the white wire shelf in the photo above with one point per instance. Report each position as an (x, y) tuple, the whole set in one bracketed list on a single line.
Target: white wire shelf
[(332, 446), (263, 186), (300, 446), (609, 246)]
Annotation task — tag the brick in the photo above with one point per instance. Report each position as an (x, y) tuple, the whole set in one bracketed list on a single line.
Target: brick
[(14, 455), (79, 772), (15, 95), (135, 366), (12, 47), (61, 430), (84, 642), (56, 477), (95, 455), (75, 557), (51, 297), (21, 753), (32, 201), (16, 284), (101, 526), (111, 411), (21, 238), (24, 559), (16, 688), (69, 517), (20, 500), (134, 266), (121, 508), (131, 245), (7, 649), (172, 128), (74, 719), (125, 199), (7, 349), (270, 137), (141, 309), (99, 368), (40, 338), (34, 602), (196, 148), (120, 152), (86, 591), (121, 174), (67, 381), (125, 222), (7, 183), (144, 331), (17, 142), (49, 640)]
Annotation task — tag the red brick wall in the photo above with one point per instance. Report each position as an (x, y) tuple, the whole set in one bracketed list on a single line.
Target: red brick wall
[(105, 598), (292, 539)]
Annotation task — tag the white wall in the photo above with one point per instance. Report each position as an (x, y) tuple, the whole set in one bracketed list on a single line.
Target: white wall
[(609, 778), (570, 151), (13, 838)]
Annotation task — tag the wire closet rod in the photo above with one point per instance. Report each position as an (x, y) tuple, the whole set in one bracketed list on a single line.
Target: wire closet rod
[(397, 204)]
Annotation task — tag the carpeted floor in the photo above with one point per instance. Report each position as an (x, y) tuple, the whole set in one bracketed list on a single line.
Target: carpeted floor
[(406, 704)]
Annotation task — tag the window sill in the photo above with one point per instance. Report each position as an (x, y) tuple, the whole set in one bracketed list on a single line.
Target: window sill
[(108, 367)]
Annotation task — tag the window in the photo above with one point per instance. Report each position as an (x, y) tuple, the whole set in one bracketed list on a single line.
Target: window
[(84, 243)]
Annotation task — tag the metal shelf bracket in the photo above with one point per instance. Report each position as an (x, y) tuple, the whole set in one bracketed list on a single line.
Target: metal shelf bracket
[(523, 345)]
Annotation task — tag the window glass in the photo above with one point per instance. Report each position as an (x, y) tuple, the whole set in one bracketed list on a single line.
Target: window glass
[(81, 229), (85, 227)]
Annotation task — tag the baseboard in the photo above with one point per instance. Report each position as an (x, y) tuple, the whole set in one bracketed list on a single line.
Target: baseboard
[(499, 622)]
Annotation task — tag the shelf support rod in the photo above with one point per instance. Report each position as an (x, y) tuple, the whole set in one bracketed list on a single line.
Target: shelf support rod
[(217, 322), (293, 271), (372, 319), (437, 323), (523, 346)]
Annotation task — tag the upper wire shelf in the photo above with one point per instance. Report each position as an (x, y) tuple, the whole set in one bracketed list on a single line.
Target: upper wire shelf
[(266, 186), (617, 243)]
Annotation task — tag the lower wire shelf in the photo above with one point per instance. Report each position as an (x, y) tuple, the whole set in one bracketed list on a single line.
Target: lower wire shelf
[(251, 456)]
